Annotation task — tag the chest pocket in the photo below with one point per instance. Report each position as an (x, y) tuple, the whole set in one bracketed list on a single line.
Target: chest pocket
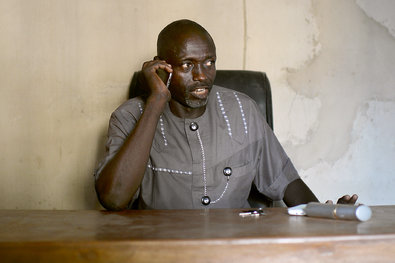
[(241, 169), (241, 162)]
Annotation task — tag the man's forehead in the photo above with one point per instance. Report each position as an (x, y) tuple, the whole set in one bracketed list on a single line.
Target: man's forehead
[(195, 47), (191, 45)]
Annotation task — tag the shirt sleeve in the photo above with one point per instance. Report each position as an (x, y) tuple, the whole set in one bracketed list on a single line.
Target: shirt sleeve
[(275, 169), (122, 122)]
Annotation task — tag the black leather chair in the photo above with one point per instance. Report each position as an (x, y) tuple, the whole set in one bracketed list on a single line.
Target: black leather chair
[(253, 83)]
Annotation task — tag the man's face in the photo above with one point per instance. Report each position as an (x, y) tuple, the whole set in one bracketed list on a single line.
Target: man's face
[(193, 62)]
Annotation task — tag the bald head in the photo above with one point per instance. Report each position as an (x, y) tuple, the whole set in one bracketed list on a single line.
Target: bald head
[(176, 34)]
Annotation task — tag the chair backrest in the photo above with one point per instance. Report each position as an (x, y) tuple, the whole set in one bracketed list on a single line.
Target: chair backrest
[(253, 83)]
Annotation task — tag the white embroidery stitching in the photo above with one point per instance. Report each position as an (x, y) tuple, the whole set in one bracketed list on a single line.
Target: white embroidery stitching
[(220, 197), (166, 170), (221, 106), (162, 127), (203, 163), (204, 172), (162, 130), (141, 108), (242, 113)]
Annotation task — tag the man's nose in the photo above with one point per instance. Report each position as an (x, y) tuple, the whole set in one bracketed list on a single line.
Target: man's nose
[(198, 73)]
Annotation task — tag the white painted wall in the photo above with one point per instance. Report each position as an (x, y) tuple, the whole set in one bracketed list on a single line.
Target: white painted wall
[(66, 65)]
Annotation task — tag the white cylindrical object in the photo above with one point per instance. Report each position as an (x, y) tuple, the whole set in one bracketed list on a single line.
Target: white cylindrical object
[(348, 212)]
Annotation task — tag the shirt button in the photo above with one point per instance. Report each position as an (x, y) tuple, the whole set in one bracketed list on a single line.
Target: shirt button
[(193, 126), (227, 171), (206, 200)]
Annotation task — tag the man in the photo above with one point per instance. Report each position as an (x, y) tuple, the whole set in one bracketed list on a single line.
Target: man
[(192, 145)]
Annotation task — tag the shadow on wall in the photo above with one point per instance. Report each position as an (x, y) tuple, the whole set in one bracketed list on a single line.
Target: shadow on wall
[(91, 200)]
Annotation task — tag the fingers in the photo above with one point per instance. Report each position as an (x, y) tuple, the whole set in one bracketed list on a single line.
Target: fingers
[(346, 199), (153, 73), (153, 65), (354, 198)]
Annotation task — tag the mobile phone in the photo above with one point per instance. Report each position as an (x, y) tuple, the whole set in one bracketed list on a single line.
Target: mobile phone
[(166, 77)]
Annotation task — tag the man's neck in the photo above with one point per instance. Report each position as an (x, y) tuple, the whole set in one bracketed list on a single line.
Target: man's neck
[(184, 112)]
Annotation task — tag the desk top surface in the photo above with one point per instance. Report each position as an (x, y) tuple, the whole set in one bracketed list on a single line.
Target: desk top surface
[(209, 224)]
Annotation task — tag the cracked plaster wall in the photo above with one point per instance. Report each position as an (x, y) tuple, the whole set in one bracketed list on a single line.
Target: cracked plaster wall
[(351, 77), (67, 65), (331, 64)]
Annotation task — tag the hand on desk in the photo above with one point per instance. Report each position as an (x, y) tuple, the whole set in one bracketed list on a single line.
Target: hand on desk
[(298, 193), (345, 199)]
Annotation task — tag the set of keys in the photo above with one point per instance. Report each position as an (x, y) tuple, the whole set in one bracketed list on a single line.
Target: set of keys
[(253, 213)]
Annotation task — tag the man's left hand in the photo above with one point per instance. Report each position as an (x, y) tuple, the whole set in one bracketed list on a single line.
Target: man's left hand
[(345, 199)]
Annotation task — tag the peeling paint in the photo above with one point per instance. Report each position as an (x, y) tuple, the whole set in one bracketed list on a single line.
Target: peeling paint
[(303, 119), (367, 168), (352, 67), (381, 11)]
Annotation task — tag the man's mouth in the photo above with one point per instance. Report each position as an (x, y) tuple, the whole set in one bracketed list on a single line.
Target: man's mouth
[(200, 92)]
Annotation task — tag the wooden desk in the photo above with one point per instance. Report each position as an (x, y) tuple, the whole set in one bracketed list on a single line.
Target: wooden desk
[(193, 236)]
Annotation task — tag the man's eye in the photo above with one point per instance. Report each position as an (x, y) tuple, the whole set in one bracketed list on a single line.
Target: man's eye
[(209, 63), (186, 65)]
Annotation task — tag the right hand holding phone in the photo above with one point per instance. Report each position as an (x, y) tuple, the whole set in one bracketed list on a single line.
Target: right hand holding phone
[(156, 73)]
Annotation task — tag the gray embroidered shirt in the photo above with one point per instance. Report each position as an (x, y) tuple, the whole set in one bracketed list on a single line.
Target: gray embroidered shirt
[(186, 163)]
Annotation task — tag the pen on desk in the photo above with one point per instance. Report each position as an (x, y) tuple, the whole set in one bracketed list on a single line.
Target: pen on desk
[(338, 211)]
